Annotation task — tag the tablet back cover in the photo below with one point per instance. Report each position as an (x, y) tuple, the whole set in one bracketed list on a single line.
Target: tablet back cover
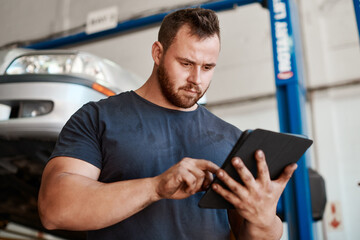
[(280, 150)]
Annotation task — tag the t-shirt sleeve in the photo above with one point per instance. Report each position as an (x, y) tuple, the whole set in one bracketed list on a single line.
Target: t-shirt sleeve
[(79, 138)]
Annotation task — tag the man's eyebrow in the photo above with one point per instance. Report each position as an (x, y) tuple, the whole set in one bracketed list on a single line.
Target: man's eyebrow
[(185, 60), (192, 62), (210, 64)]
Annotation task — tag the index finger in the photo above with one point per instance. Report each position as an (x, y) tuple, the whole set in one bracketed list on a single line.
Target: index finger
[(206, 165)]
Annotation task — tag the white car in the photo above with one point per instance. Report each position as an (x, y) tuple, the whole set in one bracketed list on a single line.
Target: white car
[(39, 91)]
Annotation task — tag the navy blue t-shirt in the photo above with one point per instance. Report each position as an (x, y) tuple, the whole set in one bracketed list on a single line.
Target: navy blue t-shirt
[(128, 137)]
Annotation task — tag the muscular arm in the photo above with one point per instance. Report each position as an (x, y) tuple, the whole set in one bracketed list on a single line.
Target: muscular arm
[(72, 198)]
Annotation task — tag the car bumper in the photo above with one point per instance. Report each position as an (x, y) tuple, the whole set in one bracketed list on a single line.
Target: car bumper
[(67, 98)]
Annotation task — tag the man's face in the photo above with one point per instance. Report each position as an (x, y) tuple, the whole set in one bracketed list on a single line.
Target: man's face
[(186, 69)]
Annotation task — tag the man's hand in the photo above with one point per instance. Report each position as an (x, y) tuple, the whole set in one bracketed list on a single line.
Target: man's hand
[(257, 199), (185, 178)]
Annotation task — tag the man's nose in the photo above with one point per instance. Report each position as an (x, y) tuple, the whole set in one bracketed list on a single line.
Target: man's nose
[(195, 75)]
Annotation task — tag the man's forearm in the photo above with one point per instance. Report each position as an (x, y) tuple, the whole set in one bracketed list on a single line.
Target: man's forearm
[(244, 230), (75, 202)]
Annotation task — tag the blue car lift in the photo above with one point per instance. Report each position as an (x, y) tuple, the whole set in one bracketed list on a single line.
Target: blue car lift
[(295, 203), (357, 13)]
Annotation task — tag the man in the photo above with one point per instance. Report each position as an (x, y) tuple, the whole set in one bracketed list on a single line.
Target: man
[(133, 166)]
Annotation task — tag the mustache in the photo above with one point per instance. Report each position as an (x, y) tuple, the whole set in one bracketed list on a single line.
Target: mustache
[(191, 87)]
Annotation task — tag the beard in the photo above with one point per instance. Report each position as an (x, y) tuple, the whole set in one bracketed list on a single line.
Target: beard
[(173, 95)]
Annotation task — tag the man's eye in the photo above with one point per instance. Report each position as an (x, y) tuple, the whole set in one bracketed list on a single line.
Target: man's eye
[(207, 68), (186, 64)]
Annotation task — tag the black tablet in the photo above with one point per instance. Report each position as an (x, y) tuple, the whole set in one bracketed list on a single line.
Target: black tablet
[(280, 150)]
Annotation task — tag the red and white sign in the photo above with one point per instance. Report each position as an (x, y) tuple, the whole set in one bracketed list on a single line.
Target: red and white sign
[(285, 75), (334, 219)]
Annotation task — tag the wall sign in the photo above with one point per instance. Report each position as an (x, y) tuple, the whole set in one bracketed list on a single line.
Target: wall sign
[(102, 20)]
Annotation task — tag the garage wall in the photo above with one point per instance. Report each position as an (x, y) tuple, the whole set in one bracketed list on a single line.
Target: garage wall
[(332, 54), (245, 71)]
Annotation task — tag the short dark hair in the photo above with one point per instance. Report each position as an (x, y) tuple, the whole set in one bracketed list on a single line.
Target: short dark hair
[(203, 23)]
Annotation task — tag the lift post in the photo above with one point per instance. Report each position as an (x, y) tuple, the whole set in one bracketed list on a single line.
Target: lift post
[(357, 14), (295, 203), (291, 99)]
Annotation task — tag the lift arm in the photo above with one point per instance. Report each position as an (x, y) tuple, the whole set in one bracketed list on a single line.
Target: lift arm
[(132, 24)]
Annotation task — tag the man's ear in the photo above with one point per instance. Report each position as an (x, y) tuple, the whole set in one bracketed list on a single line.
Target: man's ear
[(157, 52)]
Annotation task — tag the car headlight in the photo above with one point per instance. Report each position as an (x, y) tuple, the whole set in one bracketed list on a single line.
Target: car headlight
[(56, 64)]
